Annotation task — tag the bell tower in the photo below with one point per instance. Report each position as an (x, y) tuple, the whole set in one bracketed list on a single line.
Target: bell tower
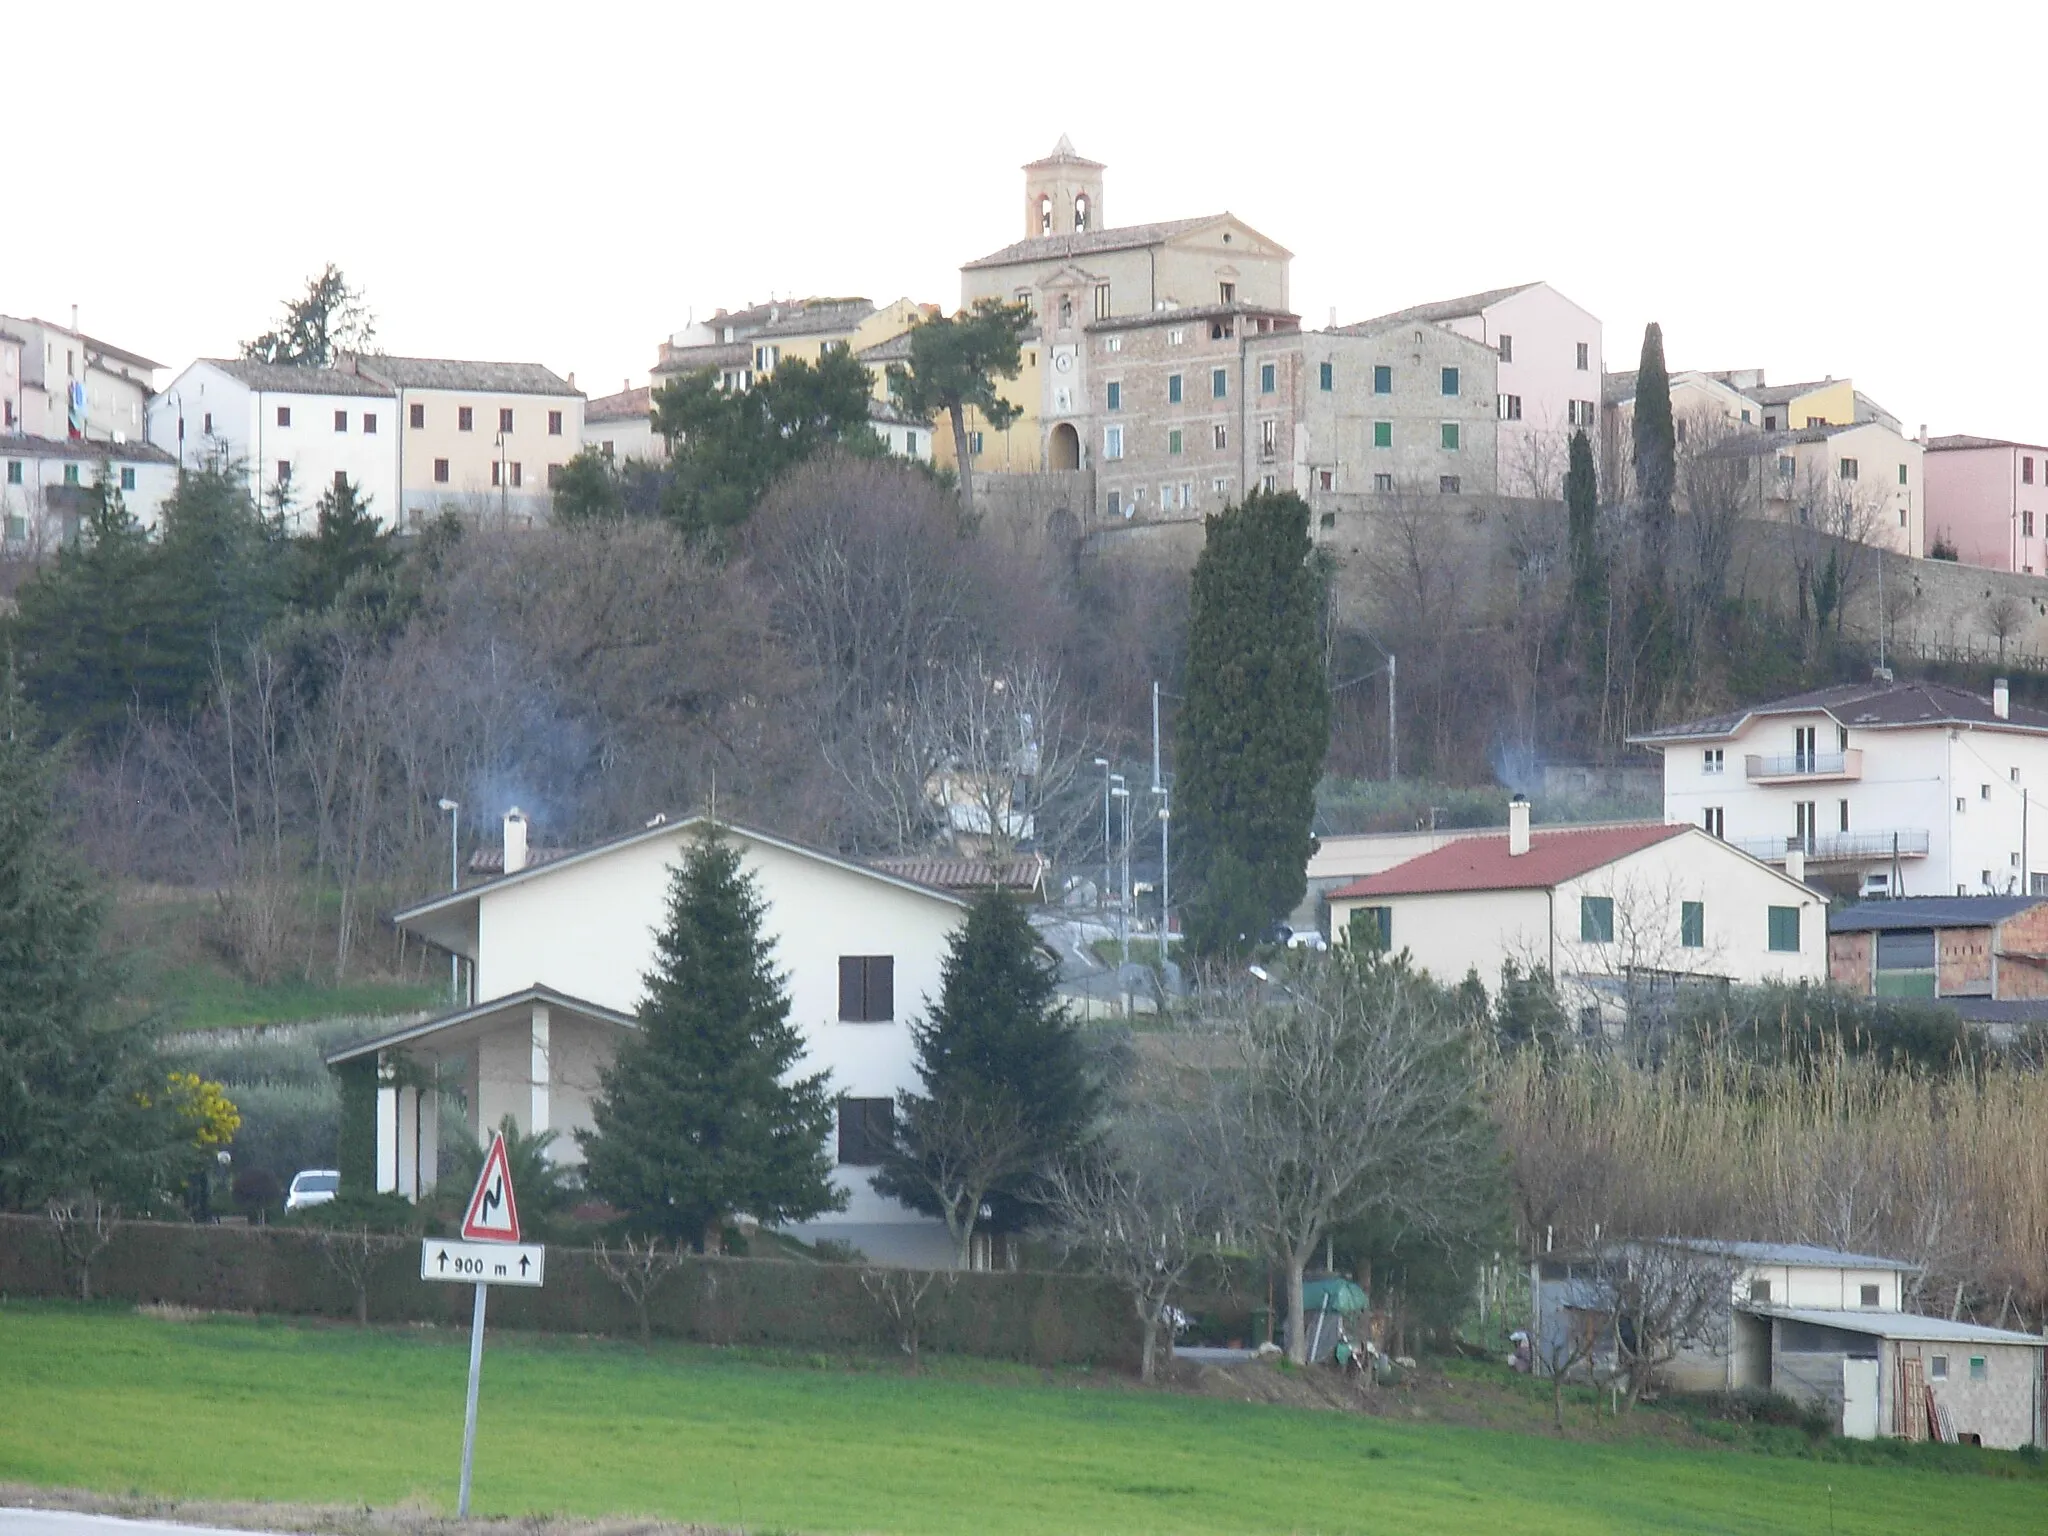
[(1062, 193)]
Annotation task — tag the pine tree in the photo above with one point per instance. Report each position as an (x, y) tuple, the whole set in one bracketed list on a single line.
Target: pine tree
[(955, 365), (347, 543), (1656, 452), (1006, 1085), (698, 1116), (82, 1107), (1256, 723)]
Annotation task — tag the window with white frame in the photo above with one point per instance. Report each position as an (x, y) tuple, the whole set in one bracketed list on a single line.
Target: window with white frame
[(1112, 442), (1713, 760)]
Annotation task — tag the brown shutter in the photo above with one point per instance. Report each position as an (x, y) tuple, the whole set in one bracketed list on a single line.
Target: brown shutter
[(850, 988), (881, 987)]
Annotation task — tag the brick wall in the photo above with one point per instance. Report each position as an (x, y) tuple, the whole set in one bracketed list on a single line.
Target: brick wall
[(1962, 961), (1849, 961), (2019, 938)]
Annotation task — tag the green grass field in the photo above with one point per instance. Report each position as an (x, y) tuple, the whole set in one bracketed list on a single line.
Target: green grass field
[(228, 1409)]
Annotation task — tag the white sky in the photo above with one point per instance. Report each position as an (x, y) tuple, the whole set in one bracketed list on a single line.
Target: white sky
[(1846, 190)]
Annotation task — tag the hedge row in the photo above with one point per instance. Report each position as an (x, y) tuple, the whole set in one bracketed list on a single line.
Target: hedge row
[(1043, 1319)]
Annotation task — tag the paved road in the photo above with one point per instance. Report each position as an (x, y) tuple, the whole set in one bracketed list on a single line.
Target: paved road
[(52, 1522)]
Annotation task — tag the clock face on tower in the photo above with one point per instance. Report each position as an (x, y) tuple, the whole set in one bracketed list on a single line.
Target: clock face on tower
[(1064, 361)]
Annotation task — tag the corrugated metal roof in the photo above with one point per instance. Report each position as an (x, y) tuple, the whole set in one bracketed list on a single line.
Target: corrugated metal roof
[(1026, 872), (1484, 863), (1897, 1325), (1930, 912), (1795, 1254)]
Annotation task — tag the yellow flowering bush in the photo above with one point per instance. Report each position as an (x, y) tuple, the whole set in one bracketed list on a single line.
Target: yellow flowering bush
[(206, 1108)]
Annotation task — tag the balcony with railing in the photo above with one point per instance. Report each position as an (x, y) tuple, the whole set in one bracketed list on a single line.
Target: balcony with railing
[(1839, 847), (1803, 767)]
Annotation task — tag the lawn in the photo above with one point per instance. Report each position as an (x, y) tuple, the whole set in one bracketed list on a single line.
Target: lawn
[(224, 1408)]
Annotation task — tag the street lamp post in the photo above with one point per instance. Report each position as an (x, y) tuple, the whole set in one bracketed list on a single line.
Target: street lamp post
[(454, 810), (1123, 892), (1103, 894)]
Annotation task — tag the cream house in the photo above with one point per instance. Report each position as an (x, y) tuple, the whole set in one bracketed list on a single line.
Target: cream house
[(477, 438), (1617, 914), (556, 953)]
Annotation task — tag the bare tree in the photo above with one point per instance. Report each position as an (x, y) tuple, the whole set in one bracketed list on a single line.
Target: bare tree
[(899, 1294), (1343, 1097), (1008, 754), (959, 1146), (1837, 525), (353, 1253), (1668, 1298), (1646, 953), (83, 1225), (1568, 1341), (640, 1267), (2005, 614)]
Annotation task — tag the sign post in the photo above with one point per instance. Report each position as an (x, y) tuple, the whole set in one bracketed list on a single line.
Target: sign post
[(490, 1255)]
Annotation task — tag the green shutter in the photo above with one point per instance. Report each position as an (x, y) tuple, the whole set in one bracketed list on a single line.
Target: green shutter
[(1116, 396), (1596, 919), (1328, 376), (1173, 441), (1450, 381), (1219, 383), (1382, 379), (1267, 378), (1383, 434), (1450, 437), (1692, 924), (1173, 389), (1785, 930)]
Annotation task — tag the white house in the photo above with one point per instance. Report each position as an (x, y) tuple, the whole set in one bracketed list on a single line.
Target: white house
[(1903, 788), (57, 382), (556, 953), (905, 435), (1604, 909), (45, 485), (294, 429), (1549, 377), (621, 426)]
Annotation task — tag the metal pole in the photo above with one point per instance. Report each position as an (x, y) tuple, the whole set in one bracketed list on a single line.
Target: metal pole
[(1103, 764), (1155, 736), (1165, 872), (476, 1367), (1165, 810), (455, 884), (1393, 729)]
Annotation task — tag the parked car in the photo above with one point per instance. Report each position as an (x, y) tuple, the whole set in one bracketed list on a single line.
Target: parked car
[(312, 1186)]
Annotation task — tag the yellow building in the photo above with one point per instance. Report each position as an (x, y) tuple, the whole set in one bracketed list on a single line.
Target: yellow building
[(1013, 449)]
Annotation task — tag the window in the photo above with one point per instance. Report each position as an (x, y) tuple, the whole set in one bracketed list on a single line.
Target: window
[(1382, 378), (1902, 474), (1937, 1367), (1269, 430), (1177, 337), (2027, 524), (1222, 437), (1450, 435), (1112, 343), (504, 421), (417, 415), (1447, 485), (1713, 760), (1219, 383), (1327, 519), (554, 423), (1510, 407), (1326, 377), (284, 471), (1585, 357), (1962, 804), (1760, 1290), (1066, 310), (1692, 924), (1507, 349), (973, 444), (14, 471), (127, 477), (465, 418), (370, 423), (1867, 1295), (517, 478), (1383, 483), (765, 359), (1269, 378), (1116, 503), (1102, 301), (71, 473), (555, 474), (1383, 434), (867, 1130), (1115, 392), (1326, 480), (1785, 466), (440, 471), (1173, 441), (1596, 919), (1715, 819), (1784, 930), (1983, 791), (1745, 417), (910, 443), (1173, 389), (341, 480), (867, 988), (497, 471), (1372, 928), (1846, 469), (1226, 293), (1978, 1370), (1266, 484), (1112, 442), (1842, 806), (1450, 381)]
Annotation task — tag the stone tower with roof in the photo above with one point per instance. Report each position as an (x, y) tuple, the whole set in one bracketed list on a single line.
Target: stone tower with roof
[(1062, 193)]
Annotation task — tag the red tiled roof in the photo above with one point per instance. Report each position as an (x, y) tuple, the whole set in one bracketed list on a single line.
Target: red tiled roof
[(1484, 863)]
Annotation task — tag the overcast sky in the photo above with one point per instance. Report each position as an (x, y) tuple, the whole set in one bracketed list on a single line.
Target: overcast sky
[(1845, 190)]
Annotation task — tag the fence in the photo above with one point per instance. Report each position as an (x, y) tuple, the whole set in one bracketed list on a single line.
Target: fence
[(1040, 1318)]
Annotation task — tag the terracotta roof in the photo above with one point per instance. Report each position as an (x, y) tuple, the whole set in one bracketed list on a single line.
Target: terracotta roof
[(1484, 863), (1444, 309), (491, 860), (297, 378), (627, 405), (1060, 247), (1025, 872), (1866, 706)]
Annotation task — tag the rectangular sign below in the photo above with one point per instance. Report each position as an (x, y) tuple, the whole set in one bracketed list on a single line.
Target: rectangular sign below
[(482, 1263)]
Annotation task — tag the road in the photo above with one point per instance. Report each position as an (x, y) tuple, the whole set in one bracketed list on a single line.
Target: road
[(57, 1522)]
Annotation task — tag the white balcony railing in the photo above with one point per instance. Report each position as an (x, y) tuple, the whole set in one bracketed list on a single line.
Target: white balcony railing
[(1805, 765), (1839, 847)]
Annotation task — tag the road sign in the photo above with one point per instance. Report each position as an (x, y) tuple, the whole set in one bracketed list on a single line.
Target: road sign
[(493, 1210), (482, 1263)]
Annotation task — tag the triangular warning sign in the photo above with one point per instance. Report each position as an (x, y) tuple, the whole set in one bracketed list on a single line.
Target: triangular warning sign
[(493, 1211)]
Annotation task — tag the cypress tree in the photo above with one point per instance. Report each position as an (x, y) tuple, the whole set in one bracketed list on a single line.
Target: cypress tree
[(82, 1106), (1006, 1085), (698, 1116), (1582, 513), (1256, 722), (1656, 451)]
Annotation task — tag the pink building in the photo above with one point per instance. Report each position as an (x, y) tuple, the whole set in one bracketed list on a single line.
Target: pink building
[(1988, 500)]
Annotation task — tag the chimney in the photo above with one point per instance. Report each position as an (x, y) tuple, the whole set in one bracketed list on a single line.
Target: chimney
[(572, 378), (1922, 439), (515, 841), (74, 317), (2001, 698), (625, 386), (1518, 826), (1795, 861)]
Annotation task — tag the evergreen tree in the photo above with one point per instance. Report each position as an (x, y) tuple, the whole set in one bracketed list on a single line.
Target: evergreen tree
[(1256, 723), (82, 1103), (1006, 1087), (219, 578), (347, 543), (331, 317), (1656, 452), (698, 1115), (587, 491), (1582, 524), (954, 365)]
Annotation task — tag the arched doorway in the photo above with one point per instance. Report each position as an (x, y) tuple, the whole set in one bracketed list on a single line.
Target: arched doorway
[(1065, 448)]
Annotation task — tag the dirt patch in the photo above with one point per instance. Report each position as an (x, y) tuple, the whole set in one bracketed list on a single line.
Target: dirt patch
[(336, 1520)]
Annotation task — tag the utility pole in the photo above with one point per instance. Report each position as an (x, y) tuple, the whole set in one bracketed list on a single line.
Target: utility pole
[(1165, 839), (1393, 727), (1103, 894), (454, 810)]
